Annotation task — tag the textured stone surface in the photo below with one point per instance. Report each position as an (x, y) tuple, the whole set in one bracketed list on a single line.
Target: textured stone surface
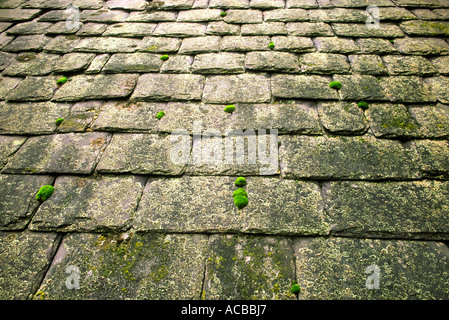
[(9, 145), (401, 266), (31, 118), (140, 153), (434, 157), (247, 268), (133, 62), (24, 259), (145, 267), (351, 158), (87, 87), (299, 86), (89, 204), (393, 209), (342, 117), (62, 153)]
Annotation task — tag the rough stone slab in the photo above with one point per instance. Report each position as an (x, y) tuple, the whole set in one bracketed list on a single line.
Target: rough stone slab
[(27, 43), (338, 15), (89, 204), (6, 59), (229, 4), (55, 16), (12, 15), (24, 257), (342, 117), (243, 16), (433, 120), (360, 87), (88, 4), (286, 15), (27, 28), (220, 28), (324, 63), (368, 64), (216, 63), (133, 62), (30, 64), (363, 157), (107, 45), (434, 157), (306, 4), (76, 153), (285, 117), (296, 209), (31, 117), (440, 88), (49, 4), (152, 16), (244, 88), (33, 89), (80, 117), (272, 61), (249, 268), (309, 29), (377, 45), (62, 28), (130, 29), (62, 44), (9, 145), (97, 64), (177, 4), (144, 267), (265, 28), (392, 121), (141, 154), (386, 30), (418, 3), (11, 4), (293, 44), (178, 64), (425, 28), (395, 13), (168, 87), (128, 117), (180, 29), (92, 87), (199, 15), (335, 45), (92, 29), (160, 44), (137, 5), (7, 84), (392, 209), (441, 64), (407, 89), (200, 45), (103, 16), (337, 268), (301, 86), (361, 3), (73, 62), (245, 43), (19, 202), (405, 65), (267, 4)]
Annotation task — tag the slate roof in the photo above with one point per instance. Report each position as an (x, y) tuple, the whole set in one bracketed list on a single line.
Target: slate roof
[(353, 194)]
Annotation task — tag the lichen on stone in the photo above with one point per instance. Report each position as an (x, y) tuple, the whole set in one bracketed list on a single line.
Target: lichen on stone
[(241, 192), (59, 121), (240, 182), (335, 85), (165, 57), (61, 81), (240, 201), (160, 114), (271, 45), (229, 109), (363, 105)]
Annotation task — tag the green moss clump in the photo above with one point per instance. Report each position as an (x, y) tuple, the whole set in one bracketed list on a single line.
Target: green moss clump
[(363, 105), (229, 109), (335, 85), (44, 193), (160, 114), (240, 201), (61, 80), (165, 57), (240, 192), (240, 182), (59, 121), (271, 45), (223, 14), (296, 289)]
